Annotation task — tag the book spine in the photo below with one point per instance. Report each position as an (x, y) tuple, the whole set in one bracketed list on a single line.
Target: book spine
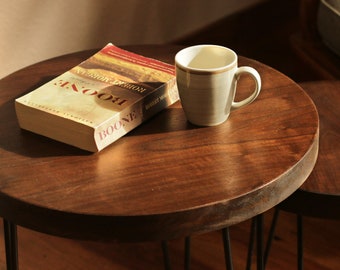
[(159, 99), (136, 114)]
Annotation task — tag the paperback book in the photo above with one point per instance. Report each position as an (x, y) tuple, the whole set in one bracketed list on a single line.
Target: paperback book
[(98, 101)]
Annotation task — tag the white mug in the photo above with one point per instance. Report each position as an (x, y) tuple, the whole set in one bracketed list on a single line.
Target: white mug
[(206, 78)]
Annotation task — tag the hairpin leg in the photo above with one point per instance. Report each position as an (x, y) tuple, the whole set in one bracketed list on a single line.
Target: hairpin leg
[(166, 258), (251, 243), (11, 245), (187, 253), (259, 241), (300, 241), (271, 235), (227, 249)]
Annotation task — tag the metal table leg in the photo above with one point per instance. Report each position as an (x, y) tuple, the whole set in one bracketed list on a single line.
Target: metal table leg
[(187, 253), (11, 245), (227, 249), (300, 241), (256, 228), (251, 243), (259, 241), (166, 257)]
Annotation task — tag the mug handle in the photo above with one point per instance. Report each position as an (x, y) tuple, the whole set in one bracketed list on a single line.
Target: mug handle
[(256, 76)]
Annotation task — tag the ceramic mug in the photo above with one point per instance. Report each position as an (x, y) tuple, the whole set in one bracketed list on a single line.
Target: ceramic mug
[(206, 78)]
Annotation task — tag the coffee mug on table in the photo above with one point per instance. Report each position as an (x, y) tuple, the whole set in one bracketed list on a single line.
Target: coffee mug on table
[(207, 77)]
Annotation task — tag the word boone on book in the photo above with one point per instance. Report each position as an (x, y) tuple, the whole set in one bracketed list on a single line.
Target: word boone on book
[(90, 92), (117, 125)]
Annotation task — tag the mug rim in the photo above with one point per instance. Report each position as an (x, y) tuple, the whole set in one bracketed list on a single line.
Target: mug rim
[(205, 70)]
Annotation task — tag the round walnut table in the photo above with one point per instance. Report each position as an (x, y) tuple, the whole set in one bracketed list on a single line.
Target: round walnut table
[(167, 178)]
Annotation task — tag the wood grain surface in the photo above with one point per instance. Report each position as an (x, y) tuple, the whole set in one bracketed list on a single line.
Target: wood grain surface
[(165, 179), (319, 196)]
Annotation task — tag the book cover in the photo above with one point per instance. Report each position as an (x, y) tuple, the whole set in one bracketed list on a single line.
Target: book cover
[(98, 101)]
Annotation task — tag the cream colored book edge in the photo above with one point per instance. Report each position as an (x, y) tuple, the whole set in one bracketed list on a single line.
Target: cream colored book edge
[(83, 136), (91, 112)]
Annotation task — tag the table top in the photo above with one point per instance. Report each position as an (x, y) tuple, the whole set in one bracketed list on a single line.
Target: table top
[(166, 178), (325, 177), (319, 196)]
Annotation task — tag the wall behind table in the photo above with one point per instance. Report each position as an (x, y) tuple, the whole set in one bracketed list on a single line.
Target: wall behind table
[(35, 30)]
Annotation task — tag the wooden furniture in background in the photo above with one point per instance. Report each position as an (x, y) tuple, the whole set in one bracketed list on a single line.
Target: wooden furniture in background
[(319, 196), (309, 47), (166, 179)]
